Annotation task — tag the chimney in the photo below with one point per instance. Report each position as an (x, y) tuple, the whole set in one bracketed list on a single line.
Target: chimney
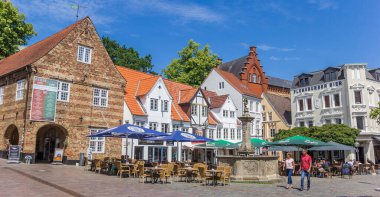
[(252, 49)]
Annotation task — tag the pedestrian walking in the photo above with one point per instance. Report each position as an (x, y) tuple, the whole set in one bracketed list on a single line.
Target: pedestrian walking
[(289, 167), (305, 169)]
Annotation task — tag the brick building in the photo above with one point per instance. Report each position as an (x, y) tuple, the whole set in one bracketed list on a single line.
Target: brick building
[(90, 96)]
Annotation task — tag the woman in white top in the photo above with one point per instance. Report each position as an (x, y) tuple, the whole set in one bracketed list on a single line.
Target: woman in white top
[(289, 166)]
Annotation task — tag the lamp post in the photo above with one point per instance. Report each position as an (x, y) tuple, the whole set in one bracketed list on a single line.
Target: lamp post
[(357, 144)]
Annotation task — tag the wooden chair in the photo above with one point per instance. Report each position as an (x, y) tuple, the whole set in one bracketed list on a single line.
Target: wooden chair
[(142, 174), (201, 176), (122, 169), (226, 176), (100, 166), (182, 173), (135, 169), (154, 164)]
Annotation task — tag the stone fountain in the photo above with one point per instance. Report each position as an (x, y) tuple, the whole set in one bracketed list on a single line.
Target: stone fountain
[(247, 166)]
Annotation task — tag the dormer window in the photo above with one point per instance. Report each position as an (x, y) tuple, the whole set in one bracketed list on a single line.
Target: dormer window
[(304, 81), (330, 76)]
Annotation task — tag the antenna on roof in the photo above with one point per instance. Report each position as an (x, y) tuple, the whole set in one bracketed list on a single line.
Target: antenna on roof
[(76, 6)]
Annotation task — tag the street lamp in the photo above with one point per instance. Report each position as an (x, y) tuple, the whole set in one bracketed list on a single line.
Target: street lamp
[(357, 144)]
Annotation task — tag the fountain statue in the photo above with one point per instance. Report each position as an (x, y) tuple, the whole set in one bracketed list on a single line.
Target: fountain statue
[(247, 166)]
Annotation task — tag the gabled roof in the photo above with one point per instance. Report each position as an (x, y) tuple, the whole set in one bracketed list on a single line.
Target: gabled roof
[(186, 96), (282, 105), (211, 119), (235, 67), (236, 83), (145, 85), (217, 101), (34, 52)]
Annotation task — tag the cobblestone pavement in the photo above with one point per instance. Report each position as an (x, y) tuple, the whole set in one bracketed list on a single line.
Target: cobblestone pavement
[(62, 180)]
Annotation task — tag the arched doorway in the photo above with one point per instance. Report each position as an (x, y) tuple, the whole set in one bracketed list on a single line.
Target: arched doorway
[(11, 135), (49, 137)]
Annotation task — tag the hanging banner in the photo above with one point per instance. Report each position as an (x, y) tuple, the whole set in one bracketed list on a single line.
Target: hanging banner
[(14, 154), (44, 99), (58, 155)]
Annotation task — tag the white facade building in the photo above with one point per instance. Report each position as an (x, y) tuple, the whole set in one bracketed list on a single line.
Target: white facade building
[(340, 95)]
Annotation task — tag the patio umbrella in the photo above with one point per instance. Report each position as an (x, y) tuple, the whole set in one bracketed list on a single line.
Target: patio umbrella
[(179, 136), (128, 131), (298, 141), (215, 144), (256, 142), (332, 146), (283, 148)]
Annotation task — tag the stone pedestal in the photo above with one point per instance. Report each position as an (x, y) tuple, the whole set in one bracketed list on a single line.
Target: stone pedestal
[(252, 168)]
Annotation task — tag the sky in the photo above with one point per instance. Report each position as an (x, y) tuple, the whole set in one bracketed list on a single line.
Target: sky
[(292, 36)]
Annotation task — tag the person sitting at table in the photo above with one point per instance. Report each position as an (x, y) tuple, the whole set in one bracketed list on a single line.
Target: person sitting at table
[(371, 168), (351, 163)]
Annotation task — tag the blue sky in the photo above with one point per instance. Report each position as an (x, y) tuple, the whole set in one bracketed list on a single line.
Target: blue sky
[(292, 36)]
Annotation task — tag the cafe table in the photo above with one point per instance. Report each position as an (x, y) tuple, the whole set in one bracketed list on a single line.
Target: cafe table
[(215, 175), (155, 172), (190, 172)]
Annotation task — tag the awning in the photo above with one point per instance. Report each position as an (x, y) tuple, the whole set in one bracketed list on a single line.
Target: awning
[(376, 138)]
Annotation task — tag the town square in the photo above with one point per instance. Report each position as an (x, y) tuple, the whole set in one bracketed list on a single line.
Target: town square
[(119, 98)]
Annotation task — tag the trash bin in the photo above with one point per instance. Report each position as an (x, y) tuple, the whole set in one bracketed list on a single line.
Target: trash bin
[(81, 159)]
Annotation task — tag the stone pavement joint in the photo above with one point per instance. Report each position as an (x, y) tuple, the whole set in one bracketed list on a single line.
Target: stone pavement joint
[(68, 191)]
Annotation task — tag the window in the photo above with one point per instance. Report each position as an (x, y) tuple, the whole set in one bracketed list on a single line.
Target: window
[(232, 114), (140, 123), (272, 132), (194, 110), (257, 106), (310, 123), (221, 85), (338, 121), (301, 124), (219, 133), (100, 97), (360, 122), (254, 78), (204, 111), (165, 105), (154, 104), (309, 104), (153, 126), (176, 127), (327, 121), (211, 133), (63, 91), (225, 113), (165, 127), (1, 95), (327, 101), (304, 82), (84, 54), (259, 81), (238, 134), (20, 87), (300, 105), (232, 134), (336, 100), (269, 116), (96, 143), (257, 128), (331, 76), (264, 117), (358, 96), (185, 129), (225, 133), (251, 106)]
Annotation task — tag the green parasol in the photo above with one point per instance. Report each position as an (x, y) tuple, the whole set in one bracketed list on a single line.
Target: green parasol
[(256, 142), (299, 141), (214, 144)]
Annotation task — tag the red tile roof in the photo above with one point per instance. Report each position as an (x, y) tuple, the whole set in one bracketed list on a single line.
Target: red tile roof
[(145, 85), (187, 95), (237, 84), (34, 52), (217, 101), (211, 119)]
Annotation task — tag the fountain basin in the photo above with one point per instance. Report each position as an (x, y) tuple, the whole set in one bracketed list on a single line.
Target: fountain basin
[(252, 168)]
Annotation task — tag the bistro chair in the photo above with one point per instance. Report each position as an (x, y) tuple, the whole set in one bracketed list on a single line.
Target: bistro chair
[(226, 175), (135, 169), (201, 176), (142, 174), (122, 169)]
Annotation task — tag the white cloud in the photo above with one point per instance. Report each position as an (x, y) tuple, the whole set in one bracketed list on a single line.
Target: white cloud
[(324, 4), (274, 58), (244, 45), (61, 10), (185, 11), (266, 47)]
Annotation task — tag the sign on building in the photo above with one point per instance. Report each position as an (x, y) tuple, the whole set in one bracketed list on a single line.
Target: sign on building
[(14, 154), (44, 99)]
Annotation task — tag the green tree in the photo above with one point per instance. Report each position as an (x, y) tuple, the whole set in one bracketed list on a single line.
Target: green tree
[(122, 55), (375, 113), (193, 64), (331, 132), (14, 31)]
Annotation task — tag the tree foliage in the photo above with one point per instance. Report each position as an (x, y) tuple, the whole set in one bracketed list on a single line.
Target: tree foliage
[(193, 64), (331, 132), (122, 55), (375, 113), (14, 31)]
